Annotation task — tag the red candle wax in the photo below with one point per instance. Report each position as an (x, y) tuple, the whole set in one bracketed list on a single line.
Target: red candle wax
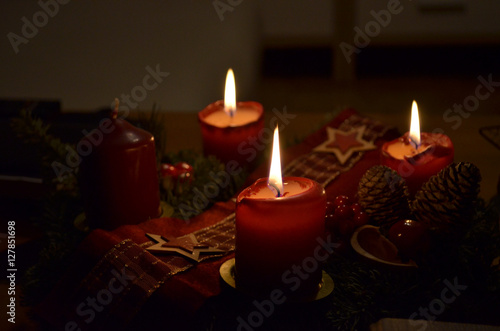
[(276, 237), (417, 165), (224, 135), (119, 179)]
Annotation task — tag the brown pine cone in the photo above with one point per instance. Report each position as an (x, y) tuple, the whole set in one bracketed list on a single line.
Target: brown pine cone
[(448, 198), (383, 194)]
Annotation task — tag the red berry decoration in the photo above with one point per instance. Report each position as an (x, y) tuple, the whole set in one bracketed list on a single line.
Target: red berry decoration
[(341, 200), (343, 216), (344, 212), (184, 170), (176, 177), (410, 237), (167, 170), (356, 208), (330, 207)]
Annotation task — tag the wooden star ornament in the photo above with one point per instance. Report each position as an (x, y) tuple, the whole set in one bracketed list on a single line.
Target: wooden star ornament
[(344, 143), (187, 246)]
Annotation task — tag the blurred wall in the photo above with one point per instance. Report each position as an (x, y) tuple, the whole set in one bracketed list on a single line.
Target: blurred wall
[(85, 53), (300, 23)]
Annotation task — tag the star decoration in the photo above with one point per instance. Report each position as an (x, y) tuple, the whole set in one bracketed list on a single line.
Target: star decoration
[(343, 144), (187, 246)]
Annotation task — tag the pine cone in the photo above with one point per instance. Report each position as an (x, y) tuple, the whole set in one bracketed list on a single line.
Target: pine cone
[(448, 198), (383, 194)]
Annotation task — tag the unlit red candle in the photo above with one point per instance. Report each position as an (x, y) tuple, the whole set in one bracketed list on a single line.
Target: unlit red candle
[(119, 178)]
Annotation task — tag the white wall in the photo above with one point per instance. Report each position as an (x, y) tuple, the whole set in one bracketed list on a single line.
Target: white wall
[(92, 51)]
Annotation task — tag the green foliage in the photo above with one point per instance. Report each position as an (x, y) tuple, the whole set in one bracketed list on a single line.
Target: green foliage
[(61, 206), (51, 149), (60, 241), (153, 123), (363, 293), (210, 183)]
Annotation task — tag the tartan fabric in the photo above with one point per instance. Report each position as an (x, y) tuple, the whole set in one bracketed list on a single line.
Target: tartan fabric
[(325, 167)]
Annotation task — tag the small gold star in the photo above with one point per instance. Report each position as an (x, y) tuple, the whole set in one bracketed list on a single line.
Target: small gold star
[(343, 144), (187, 246)]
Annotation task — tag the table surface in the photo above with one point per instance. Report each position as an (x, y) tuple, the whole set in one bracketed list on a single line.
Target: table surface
[(470, 145)]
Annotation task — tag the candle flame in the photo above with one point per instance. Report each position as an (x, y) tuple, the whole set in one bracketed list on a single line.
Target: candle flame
[(415, 126), (275, 182), (230, 94)]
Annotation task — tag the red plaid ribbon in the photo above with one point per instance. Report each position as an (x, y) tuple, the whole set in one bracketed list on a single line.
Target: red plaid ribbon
[(325, 167)]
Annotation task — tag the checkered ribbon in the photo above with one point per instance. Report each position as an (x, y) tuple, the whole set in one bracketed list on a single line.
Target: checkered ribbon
[(115, 289), (127, 275), (325, 167)]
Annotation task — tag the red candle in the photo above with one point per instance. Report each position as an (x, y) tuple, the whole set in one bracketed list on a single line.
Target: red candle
[(278, 225), (119, 179), (417, 156), (225, 125)]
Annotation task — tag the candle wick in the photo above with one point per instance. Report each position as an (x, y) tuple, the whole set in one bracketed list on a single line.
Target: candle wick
[(414, 143), (275, 189), (114, 113)]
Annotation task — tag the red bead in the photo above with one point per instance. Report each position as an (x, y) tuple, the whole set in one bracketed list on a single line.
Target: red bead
[(183, 167), (410, 237), (184, 172), (167, 170), (330, 207), (356, 208), (344, 212), (341, 200)]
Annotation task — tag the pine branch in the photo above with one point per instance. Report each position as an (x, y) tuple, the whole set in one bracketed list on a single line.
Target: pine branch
[(52, 150), (209, 173)]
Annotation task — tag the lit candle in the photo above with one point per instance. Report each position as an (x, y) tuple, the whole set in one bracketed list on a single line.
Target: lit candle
[(118, 175), (278, 224), (226, 125), (417, 156)]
